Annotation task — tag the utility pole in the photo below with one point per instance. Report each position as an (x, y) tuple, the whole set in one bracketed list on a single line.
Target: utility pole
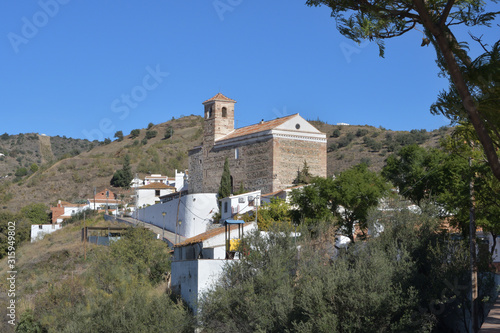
[(177, 217), (163, 234), (473, 261)]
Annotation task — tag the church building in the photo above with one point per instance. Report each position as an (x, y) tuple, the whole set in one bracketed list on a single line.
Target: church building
[(266, 156)]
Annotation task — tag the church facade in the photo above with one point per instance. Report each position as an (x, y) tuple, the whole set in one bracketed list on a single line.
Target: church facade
[(266, 156)]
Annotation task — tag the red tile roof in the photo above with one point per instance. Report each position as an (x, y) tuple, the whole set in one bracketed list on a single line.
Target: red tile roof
[(219, 97), (260, 127), (283, 190), (156, 186), (208, 234)]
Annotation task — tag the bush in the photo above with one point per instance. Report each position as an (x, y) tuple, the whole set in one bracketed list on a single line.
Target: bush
[(361, 132), (119, 136), (150, 125), (150, 134), (21, 172), (336, 133), (169, 131), (135, 133)]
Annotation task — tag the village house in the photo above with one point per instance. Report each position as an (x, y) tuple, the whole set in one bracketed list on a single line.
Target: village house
[(155, 178), (103, 199), (265, 156), (64, 210), (199, 261), (239, 204), (150, 194), (40, 230)]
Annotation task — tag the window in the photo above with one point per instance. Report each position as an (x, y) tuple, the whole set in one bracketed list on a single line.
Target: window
[(297, 126), (157, 193), (225, 207), (224, 112), (209, 113), (237, 153), (40, 226)]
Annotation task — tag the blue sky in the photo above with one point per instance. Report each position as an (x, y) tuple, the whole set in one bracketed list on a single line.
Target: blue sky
[(86, 69)]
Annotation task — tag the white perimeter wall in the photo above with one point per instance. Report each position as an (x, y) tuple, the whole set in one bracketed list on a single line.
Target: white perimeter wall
[(195, 212), (38, 233), (191, 278)]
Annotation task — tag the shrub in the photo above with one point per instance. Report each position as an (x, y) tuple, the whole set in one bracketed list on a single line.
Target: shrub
[(169, 131), (150, 134), (135, 133), (361, 132), (150, 125)]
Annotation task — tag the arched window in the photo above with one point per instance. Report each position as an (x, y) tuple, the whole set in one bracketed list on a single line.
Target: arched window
[(224, 112), (209, 112)]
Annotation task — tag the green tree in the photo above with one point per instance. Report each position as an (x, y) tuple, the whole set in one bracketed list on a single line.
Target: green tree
[(357, 190), (303, 176), (123, 177), (119, 136), (276, 211), (381, 20), (415, 171), (313, 203), (169, 131), (36, 213), (225, 188), (135, 133), (21, 172), (151, 134), (150, 125), (34, 167)]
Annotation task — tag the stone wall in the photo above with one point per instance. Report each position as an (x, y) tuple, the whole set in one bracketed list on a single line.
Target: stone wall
[(253, 167), (289, 157), (195, 175)]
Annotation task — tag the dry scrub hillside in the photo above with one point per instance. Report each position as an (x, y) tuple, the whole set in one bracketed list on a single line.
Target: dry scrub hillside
[(74, 178)]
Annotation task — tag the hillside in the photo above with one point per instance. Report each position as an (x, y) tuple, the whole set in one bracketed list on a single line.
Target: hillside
[(73, 178)]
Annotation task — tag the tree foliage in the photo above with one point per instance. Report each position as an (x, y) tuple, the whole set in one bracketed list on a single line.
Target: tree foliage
[(123, 177), (379, 20), (119, 136), (225, 187), (397, 282), (169, 131), (348, 197), (36, 213), (276, 211), (303, 176), (135, 133), (121, 291)]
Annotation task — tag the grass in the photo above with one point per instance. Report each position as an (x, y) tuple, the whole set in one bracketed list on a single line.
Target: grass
[(43, 264)]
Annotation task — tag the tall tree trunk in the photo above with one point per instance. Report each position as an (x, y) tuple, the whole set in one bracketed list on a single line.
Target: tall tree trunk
[(439, 33)]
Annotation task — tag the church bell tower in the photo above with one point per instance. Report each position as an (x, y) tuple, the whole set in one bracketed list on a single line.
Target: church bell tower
[(219, 118)]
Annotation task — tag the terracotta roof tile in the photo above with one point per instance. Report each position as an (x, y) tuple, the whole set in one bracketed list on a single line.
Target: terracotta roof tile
[(219, 97), (208, 234), (156, 186), (260, 127)]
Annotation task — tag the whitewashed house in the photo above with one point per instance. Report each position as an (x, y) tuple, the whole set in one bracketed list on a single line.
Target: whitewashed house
[(64, 210), (239, 204), (40, 230), (150, 194), (199, 261), (156, 178)]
